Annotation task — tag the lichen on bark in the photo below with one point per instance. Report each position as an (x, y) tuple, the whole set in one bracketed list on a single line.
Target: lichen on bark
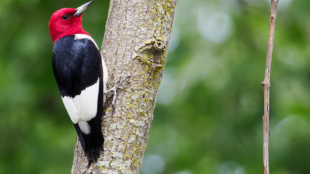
[(134, 48)]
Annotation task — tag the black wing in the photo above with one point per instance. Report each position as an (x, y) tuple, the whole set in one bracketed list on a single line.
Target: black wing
[(78, 71)]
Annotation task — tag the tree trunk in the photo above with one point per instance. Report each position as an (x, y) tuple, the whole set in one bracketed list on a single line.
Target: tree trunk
[(134, 48)]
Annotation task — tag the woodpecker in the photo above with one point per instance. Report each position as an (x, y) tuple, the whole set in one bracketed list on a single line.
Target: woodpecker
[(81, 75)]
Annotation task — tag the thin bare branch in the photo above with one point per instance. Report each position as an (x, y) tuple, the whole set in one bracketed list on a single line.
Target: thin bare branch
[(266, 85)]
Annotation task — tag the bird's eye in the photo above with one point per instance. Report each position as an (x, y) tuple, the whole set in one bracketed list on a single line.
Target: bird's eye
[(65, 17)]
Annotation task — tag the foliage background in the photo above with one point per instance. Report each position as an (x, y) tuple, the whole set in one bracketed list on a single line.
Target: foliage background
[(208, 117)]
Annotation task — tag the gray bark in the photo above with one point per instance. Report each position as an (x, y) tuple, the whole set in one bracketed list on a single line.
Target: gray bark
[(134, 48)]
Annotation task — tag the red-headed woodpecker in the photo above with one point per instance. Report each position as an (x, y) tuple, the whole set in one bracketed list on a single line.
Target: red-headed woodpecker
[(81, 75)]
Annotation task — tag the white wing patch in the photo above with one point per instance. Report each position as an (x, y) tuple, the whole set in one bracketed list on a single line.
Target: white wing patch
[(105, 75), (71, 109), (83, 107)]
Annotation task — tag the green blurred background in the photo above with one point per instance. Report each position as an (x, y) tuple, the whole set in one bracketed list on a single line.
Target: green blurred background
[(208, 118)]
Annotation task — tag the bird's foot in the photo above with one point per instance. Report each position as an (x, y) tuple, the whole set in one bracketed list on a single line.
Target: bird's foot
[(121, 85)]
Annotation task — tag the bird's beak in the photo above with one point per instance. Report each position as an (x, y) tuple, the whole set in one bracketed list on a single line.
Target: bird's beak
[(82, 8)]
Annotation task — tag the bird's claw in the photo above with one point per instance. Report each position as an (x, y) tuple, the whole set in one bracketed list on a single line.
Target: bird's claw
[(121, 85)]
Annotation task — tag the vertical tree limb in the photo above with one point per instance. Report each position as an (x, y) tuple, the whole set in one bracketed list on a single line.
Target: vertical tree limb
[(135, 45), (266, 85)]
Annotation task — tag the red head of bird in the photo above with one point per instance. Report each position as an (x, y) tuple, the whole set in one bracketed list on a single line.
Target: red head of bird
[(67, 21)]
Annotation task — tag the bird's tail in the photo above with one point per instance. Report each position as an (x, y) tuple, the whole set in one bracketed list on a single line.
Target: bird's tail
[(92, 143)]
